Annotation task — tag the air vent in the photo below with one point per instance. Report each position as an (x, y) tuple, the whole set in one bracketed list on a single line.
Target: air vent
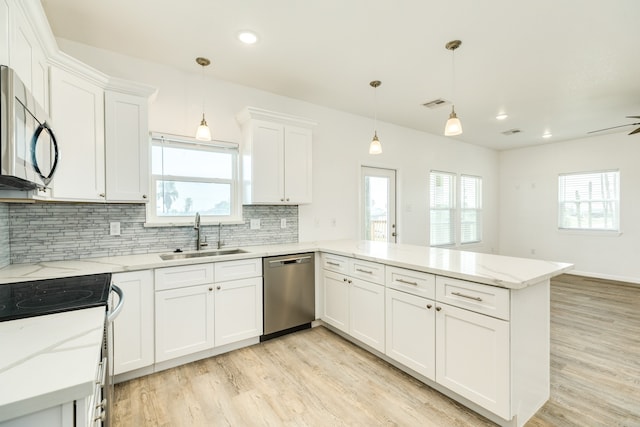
[(436, 103), (511, 132)]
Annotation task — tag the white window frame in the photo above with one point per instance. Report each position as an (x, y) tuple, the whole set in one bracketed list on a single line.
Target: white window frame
[(176, 141), (613, 202), (456, 208)]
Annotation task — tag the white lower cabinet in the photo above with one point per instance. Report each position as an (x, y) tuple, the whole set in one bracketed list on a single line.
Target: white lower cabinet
[(184, 321), (366, 313), (352, 305), (202, 306), (411, 331), (336, 300), (238, 310), (133, 328), (472, 357)]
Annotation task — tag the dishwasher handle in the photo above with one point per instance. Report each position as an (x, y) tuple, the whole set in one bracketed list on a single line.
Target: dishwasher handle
[(285, 261)]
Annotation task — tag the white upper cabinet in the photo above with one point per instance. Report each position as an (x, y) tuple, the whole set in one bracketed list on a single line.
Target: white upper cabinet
[(127, 147), (77, 112), (277, 156), (5, 21), (21, 50)]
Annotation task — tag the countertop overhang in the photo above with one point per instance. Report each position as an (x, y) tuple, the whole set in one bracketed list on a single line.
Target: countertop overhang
[(496, 270)]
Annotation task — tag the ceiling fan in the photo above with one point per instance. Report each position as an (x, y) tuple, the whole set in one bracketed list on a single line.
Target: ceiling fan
[(630, 124)]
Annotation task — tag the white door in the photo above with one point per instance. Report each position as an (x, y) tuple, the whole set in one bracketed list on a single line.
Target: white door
[(411, 331), (378, 204), (238, 310), (336, 300), (472, 357), (184, 321), (133, 328), (366, 313)]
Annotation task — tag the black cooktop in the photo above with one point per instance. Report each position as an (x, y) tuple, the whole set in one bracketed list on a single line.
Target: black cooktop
[(39, 297)]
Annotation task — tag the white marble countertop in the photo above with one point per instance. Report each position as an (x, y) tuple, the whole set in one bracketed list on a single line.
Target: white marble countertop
[(497, 270), (48, 360)]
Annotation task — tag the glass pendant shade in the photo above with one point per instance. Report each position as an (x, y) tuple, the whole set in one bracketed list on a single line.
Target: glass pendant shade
[(453, 126), (375, 147), (203, 133)]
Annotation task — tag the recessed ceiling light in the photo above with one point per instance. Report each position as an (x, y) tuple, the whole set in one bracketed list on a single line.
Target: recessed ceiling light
[(502, 116), (547, 135), (247, 37)]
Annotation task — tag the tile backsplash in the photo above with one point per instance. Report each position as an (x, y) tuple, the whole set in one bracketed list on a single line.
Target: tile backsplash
[(62, 231), (5, 254)]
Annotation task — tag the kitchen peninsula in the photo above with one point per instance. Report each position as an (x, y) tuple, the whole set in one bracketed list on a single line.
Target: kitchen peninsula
[(473, 326)]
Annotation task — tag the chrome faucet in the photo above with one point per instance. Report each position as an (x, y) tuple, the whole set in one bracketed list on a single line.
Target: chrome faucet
[(196, 226)]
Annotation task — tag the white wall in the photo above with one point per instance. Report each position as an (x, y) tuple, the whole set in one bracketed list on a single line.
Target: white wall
[(340, 147), (528, 205)]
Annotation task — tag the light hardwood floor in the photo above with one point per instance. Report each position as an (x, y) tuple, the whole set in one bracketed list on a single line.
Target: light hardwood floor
[(316, 378)]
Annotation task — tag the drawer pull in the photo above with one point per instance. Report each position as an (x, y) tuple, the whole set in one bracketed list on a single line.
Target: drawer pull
[(429, 306), (458, 294), (333, 263), (407, 282), (364, 271)]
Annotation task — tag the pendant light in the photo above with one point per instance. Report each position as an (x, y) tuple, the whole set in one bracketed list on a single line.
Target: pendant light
[(453, 126), (203, 133), (375, 147)]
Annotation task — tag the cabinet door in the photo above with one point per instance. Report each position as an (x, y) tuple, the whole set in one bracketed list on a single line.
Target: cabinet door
[(366, 313), (133, 328), (267, 162), (336, 300), (411, 331), (184, 321), (472, 357), (127, 147), (297, 165), (5, 25), (77, 112), (238, 310), (22, 46)]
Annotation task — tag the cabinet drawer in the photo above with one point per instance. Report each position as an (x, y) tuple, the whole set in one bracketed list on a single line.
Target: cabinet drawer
[(238, 269), (336, 263), (370, 271), (186, 275), (477, 297), (413, 282)]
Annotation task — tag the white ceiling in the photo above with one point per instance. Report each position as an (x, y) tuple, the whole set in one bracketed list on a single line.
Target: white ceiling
[(563, 66)]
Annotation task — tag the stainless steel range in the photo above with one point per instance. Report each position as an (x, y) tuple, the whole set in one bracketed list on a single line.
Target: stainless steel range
[(41, 297)]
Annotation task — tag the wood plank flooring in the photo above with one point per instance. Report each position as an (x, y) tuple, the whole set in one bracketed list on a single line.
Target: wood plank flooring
[(316, 378)]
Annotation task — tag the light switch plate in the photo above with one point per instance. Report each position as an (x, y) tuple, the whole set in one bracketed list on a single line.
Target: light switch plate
[(255, 224), (114, 228)]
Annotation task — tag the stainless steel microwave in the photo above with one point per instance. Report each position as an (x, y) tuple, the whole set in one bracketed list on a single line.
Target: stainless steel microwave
[(28, 147)]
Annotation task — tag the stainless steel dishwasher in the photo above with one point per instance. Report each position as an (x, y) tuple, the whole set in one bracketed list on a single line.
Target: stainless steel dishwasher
[(289, 296)]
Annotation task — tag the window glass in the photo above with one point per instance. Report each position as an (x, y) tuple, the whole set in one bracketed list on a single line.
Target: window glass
[(471, 211), (190, 177), (442, 208), (589, 201)]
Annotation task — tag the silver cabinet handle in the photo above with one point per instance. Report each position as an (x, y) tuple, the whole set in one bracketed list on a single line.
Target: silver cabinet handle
[(458, 294), (407, 282), (333, 263), (364, 271)]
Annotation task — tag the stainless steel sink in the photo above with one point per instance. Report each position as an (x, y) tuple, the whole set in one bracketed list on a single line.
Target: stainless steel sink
[(200, 254)]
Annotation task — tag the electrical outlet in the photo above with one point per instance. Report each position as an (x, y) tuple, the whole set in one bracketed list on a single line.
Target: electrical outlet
[(255, 224), (114, 228), (283, 223)]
